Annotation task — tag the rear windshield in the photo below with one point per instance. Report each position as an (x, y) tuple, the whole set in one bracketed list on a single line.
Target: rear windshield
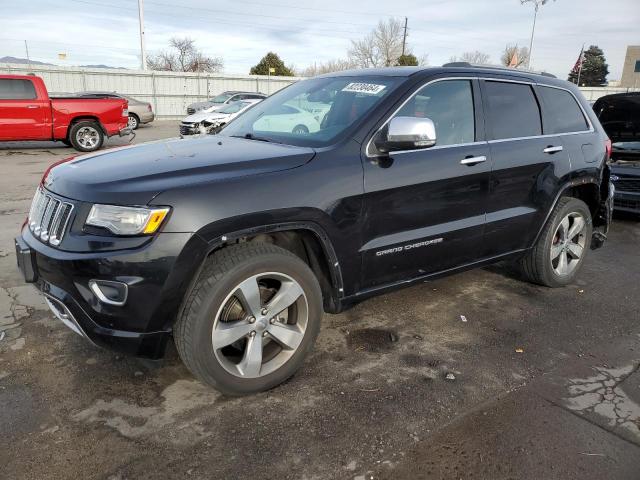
[(313, 112)]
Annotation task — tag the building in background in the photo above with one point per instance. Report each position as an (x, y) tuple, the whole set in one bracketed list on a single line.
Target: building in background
[(631, 68)]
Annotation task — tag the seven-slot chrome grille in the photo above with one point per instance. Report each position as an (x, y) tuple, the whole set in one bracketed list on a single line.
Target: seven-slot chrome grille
[(48, 217)]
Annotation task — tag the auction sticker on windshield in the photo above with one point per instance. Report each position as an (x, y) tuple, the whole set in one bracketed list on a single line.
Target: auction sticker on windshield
[(368, 88)]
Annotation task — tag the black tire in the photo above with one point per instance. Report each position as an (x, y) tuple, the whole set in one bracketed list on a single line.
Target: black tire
[(82, 145), (537, 265), (221, 274), (66, 142), (134, 121), (300, 130)]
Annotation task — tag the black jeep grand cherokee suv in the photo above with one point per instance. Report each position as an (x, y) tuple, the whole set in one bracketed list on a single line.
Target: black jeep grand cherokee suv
[(235, 244)]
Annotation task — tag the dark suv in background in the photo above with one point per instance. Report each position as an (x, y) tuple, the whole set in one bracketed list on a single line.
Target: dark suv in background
[(619, 115), (235, 244)]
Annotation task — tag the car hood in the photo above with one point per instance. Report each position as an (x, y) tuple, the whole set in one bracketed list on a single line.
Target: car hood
[(200, 116), (135, 175)]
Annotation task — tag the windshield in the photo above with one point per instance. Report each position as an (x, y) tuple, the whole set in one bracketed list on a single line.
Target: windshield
[(233, 107), (223, 97), (312, 112)]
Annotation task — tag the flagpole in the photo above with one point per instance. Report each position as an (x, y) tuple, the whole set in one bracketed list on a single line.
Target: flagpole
[(581, 62)]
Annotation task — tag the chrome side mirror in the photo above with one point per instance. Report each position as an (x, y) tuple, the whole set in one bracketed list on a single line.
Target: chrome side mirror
[(407, 133)]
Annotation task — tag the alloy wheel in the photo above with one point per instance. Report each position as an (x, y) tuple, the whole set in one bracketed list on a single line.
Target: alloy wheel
[(260, 325), (87, 137), (568, 244)]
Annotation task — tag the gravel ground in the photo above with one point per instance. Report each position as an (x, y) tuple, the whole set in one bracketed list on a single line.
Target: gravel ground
[(537, 383)]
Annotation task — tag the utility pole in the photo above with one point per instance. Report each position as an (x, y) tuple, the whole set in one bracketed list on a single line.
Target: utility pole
[(404, 38), (533, 30), (143, 51), (536, 5), (26, 47)]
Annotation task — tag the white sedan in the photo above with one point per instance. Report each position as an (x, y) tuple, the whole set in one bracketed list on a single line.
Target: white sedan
[(204, 122), (287, 118)]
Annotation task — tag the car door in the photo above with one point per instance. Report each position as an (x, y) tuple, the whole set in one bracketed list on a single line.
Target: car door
[(22, 115), (424, 210), (527, 166)]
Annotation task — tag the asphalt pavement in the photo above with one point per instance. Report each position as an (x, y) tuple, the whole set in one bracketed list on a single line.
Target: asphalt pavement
[(478, 375)]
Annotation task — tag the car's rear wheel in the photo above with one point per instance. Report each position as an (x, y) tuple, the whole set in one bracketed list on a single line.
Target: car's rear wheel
[(252, 317), (133, 122), (559, 253), (86, 136)]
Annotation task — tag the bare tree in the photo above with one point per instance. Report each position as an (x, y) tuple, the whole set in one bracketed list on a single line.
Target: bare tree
[(514, 56), (330, 66), (184, 57), (476, 57), (380, 48)]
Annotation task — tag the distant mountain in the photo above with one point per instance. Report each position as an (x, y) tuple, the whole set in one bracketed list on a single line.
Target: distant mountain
[(22, 60), (102, 66)]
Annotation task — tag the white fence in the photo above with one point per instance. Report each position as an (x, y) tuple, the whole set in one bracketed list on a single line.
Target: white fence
[(168, 92), (171, 92)]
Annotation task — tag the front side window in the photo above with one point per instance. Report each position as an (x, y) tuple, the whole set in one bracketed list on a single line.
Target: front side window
[(561, 112), (16, 89), (313, 112), (449, 104), (513, 110)]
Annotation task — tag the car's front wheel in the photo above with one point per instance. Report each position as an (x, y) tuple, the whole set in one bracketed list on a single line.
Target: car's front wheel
[(251, 318), (559, 253)]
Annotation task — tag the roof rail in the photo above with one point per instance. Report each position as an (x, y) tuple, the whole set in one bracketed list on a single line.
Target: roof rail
[(497, 67)]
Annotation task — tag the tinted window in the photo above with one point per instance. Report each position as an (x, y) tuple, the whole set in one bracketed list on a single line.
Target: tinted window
[(561, 112), (14, 89), (513, 110), (450, 105)]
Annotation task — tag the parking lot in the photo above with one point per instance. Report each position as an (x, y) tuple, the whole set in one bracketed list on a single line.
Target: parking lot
[(478, 375)]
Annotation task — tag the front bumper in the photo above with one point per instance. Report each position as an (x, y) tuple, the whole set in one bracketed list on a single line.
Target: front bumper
[(627, 202), (157, 276)]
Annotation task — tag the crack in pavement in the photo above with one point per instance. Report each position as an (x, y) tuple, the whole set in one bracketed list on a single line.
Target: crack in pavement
[(603, 395)]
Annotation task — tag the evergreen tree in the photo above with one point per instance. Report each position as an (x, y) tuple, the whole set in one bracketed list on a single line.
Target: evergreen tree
[(594, 69), (271, 60), (408, 59)]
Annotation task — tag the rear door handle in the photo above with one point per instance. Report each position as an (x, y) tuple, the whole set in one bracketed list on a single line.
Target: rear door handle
[(552, 149), (32, 106), (470, 161)]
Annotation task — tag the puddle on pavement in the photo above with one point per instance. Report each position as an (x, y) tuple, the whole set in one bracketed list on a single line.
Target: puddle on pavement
[(603, 394), (374, 340)]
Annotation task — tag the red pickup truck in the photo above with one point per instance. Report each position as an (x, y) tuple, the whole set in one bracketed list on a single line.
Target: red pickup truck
[(27, 113)]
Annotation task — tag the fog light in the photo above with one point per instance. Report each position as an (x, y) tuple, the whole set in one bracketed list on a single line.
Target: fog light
[(110, 292)]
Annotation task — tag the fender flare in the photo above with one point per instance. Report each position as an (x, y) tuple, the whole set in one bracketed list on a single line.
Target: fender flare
[(325, 242), (570, 184)]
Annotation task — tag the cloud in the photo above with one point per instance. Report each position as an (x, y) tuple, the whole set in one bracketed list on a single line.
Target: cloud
[(242, 31)]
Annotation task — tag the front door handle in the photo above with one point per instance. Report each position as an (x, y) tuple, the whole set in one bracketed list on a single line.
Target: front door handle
[(552, 149), (471, 161), (32, 106)]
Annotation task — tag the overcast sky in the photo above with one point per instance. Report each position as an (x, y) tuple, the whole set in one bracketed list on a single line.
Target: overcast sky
[(301, 32)]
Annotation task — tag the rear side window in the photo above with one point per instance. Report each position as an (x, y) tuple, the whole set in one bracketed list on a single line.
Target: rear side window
[(513, 110), (562, 114), (449, 104), (16, 89)]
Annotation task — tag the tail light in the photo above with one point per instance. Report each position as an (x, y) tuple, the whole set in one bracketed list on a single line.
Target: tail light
[(607, 145)]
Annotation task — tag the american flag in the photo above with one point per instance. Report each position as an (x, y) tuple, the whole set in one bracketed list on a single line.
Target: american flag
[(578, 65)]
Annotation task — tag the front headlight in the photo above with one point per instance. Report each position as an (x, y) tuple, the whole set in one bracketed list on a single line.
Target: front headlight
[(126, 220)]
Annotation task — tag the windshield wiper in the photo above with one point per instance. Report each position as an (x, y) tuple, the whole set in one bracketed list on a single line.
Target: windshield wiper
[(251, 136)]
